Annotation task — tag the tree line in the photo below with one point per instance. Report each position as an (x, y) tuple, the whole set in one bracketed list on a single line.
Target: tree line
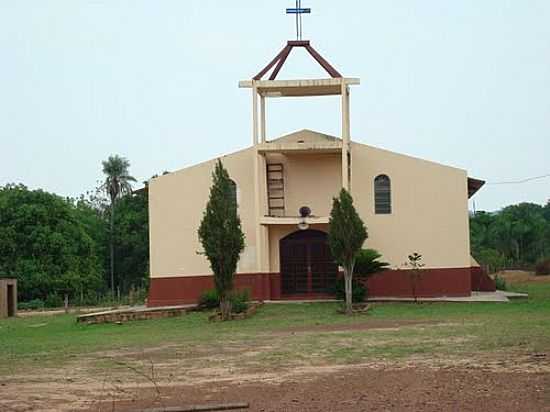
[(517, 236), (91, 248)]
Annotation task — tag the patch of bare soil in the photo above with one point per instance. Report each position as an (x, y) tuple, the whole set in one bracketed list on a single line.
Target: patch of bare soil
[(364, 389), (367, 325), (260, 372), (521, 276), (490, 382)]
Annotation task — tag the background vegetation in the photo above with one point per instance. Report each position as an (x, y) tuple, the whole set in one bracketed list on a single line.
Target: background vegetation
[(517, 237), (56, 245)]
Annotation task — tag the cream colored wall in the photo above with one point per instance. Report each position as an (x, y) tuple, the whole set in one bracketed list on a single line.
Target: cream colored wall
[(429, 208), (176, 204), (310, 180), (429, 202)]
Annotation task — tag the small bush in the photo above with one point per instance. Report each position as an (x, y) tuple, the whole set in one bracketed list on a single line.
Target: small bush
[(53, 300), (500, 283), (543, 267), (358, 292), (239, 301), (209, 299), (35, 304)]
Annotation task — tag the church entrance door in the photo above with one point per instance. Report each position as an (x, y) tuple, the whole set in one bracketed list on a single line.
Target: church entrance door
[(307, 266)]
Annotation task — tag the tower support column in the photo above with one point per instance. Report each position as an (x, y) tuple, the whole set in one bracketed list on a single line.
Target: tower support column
[(262, 118), (254, 114), (345, 137)]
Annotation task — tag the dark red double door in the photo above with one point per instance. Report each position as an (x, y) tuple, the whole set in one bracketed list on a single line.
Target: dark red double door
[(307, 266)]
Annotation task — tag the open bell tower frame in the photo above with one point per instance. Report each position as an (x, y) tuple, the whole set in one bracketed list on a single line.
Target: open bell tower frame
[(335, 85)]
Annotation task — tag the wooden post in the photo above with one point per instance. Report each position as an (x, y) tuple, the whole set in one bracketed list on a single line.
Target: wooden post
[(66, 303)]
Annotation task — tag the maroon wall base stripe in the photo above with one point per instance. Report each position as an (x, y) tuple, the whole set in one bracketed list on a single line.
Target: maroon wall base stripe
[(432, 283), (182, 290), (267, 286), (481, 281)]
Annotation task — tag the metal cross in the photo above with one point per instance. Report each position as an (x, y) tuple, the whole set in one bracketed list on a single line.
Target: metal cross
[(298, 11)]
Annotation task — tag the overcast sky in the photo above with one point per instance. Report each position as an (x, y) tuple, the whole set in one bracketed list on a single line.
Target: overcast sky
[(464, 83)]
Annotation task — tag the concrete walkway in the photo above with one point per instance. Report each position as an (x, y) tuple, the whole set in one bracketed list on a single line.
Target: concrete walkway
[(498, 296)]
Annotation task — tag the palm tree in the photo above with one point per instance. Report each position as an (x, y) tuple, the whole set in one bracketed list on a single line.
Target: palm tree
[(117, 183)]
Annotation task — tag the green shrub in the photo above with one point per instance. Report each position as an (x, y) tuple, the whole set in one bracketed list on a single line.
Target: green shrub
[(368, 263), (239, 301), (500, 283), (209, 299), (543, 267), (53, 300), (35, 304), (358, 293)]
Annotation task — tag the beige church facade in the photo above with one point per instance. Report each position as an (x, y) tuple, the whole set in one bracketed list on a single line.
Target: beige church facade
[(408, 205)]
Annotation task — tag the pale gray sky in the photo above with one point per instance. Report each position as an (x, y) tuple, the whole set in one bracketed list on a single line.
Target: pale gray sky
[(465, 83)]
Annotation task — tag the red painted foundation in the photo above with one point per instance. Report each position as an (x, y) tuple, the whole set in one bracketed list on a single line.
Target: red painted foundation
[(187, 289), (266, 286), (431, 283), (481, 281)]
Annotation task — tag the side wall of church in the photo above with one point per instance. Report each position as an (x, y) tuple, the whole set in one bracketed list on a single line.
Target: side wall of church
[(176, 205), (429, 208)]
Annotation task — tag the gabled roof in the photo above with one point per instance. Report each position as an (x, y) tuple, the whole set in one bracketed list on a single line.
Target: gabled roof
[(302, 141), (306, 136)]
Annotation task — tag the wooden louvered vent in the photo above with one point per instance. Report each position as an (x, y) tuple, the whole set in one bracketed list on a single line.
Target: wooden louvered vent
[(275, 189)]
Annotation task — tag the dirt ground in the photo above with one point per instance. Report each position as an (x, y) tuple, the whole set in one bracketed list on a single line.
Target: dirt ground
[(367, 389), (412, 386), (174, 376), (521, 276)]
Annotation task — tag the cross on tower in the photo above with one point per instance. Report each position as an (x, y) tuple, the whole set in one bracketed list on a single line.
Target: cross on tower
[(298, 11)]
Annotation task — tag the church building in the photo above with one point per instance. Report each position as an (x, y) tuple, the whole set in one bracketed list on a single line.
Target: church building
[(284, 189)]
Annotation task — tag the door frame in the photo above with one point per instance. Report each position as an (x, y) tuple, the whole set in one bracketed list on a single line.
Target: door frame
[(307, 238)]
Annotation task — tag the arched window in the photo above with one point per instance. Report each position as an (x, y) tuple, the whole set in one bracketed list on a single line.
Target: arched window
[(382, 195), (234, 192)]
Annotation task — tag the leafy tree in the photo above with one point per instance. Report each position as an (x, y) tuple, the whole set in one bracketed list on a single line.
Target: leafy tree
[(221, 236), (132, 241), (516, 236), (491, 259), (546, 211), (117, 183), (45, 244), (347, 233)]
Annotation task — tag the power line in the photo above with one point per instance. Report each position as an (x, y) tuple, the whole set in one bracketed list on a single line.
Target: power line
[(515, 182)]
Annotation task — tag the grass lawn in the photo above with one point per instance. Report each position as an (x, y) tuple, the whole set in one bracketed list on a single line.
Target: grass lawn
[(287, 334)]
